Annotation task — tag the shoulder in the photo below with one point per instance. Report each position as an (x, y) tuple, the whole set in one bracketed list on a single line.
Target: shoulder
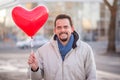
[(83, 44), (48, 46), (44, 47), (84, 48)]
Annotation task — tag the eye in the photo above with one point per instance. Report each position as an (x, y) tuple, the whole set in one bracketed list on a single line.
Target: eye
[(65, 27), (58, 27)]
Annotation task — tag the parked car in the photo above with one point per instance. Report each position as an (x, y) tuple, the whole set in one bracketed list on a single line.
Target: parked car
[(37, 41)]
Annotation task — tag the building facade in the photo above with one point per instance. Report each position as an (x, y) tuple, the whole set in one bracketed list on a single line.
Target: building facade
[(91, 21)]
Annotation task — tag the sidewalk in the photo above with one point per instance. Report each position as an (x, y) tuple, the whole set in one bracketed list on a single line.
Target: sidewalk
[(108, 66), (102, 75)]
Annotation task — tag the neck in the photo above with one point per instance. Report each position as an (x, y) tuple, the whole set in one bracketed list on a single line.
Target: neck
[(64, 43)]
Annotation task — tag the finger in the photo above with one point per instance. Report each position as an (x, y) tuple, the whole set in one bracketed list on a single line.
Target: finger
[(30, 61), (33, 55)]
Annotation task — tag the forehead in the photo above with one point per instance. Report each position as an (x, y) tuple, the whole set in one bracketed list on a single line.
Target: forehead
[(62, 22)]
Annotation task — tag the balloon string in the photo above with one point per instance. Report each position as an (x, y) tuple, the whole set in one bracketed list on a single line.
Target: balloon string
[(32, 53), (30, 78), (31, 45)]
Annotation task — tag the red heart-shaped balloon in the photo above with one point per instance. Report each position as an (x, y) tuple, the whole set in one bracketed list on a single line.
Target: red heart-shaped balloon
[(30, 21)]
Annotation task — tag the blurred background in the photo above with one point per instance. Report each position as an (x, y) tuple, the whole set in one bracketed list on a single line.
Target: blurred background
[(97, 22)]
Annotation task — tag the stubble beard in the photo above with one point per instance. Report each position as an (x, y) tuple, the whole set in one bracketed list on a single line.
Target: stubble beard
[(63, 39)]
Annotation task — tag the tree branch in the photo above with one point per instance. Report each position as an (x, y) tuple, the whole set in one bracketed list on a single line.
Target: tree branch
[(115, 2), (108, 4)]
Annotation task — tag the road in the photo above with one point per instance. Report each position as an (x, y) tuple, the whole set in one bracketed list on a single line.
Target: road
[(13, 64)]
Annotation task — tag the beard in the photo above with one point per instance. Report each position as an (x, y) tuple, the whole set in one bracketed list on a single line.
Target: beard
[(63, 39)]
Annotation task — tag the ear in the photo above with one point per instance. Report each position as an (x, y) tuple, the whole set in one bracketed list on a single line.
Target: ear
[(54, 30), (73, 29)]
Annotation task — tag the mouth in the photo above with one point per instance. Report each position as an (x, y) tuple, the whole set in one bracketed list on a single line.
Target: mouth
[(63, 33), (63, 36)]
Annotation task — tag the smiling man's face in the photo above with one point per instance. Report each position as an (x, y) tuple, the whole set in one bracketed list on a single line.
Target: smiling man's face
[(63, 29)]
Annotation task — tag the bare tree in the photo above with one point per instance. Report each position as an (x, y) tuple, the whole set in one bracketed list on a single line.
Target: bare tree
[(112, 26)]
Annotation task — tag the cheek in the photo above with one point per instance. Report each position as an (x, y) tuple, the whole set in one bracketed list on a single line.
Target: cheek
[(55, 31), (70, 31)]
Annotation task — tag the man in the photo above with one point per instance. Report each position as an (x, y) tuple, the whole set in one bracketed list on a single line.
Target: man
[(65, 56)]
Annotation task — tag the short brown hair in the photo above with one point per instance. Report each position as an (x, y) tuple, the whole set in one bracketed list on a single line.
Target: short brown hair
[(63, 16)]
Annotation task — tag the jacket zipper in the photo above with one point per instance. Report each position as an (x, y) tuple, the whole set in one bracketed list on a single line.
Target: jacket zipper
[(62, 70)]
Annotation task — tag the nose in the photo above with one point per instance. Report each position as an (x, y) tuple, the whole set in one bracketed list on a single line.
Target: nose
[(62, 29)]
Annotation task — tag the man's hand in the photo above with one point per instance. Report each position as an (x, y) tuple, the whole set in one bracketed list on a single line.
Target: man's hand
[(33, 62)]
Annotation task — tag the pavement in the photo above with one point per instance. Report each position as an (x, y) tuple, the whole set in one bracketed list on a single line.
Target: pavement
[(107, 64), (107, 67), (13, 62)]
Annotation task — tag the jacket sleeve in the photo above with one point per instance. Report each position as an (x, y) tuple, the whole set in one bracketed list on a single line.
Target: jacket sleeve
[(90, 67), (38, 75)]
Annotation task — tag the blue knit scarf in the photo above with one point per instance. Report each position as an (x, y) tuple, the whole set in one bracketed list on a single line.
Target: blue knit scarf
[(65, 49)]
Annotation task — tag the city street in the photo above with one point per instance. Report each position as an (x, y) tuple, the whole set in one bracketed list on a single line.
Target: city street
[(30, 22), (13, 63)]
